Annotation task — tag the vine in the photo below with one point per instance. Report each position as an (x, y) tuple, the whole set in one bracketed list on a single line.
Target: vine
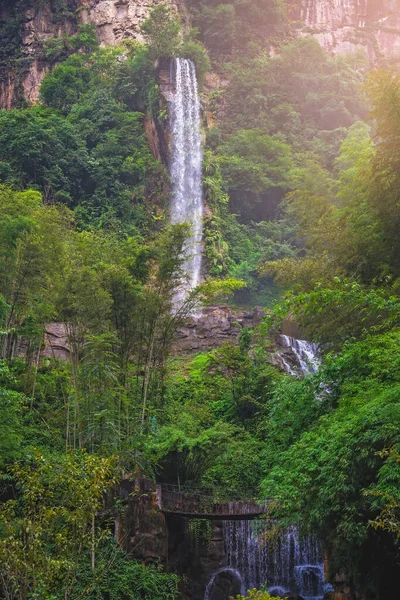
[(200, 532)]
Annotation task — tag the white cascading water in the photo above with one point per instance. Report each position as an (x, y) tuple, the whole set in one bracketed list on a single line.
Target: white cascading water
[(290, 565), (306, 353), (186, 166)]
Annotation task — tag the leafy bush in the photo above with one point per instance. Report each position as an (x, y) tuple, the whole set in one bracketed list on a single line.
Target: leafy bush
[(119, 577), (256, 595)]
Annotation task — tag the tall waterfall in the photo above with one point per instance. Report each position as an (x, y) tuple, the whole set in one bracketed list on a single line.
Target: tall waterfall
[(186, 164)]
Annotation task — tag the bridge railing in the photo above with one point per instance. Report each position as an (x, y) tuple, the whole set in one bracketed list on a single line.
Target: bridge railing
[(206, 501)]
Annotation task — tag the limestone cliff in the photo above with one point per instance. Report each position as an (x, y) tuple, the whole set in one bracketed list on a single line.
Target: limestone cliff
[(340, 26), (23, 30), (343, 26), (34, 22), (116, 20)]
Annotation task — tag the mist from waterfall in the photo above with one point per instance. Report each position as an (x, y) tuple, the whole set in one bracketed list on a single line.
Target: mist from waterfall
[(186, 166)]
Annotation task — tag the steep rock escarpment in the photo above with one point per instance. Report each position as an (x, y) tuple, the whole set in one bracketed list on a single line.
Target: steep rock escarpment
[(25, 26), (215, 326), (24, 29), (343, 26), (116, 20), (340, 26)]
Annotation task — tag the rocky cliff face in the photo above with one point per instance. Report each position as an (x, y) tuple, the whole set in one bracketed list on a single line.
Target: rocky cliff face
[(23, 32), (340, 26), (211, 329), (141, 528), (343, 26), (147, 535), (114, 20)]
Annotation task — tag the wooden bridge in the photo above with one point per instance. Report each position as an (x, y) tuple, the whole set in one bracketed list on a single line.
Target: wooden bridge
[(205, 504)]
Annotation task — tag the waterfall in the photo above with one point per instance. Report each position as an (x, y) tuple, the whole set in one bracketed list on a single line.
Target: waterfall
[(245, 553), (186, 165), (306, 353), (289, 565)]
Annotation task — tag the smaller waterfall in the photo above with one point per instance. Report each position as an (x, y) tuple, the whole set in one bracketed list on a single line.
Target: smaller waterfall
[(296, 565), (292, 564), (306, 353), (186, 165), (245, 553)]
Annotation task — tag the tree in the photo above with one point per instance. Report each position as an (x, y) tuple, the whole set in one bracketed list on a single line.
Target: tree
[(255, 168), (45, 150), (162, 31), (11, 410), (219, 28), (51, 524), (338, 477), (28, 265), (342, 311), (383, 89)]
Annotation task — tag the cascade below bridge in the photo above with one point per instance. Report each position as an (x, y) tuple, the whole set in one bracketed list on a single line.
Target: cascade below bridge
[(206, 504)]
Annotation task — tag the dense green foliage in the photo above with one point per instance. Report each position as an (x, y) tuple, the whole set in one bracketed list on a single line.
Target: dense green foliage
[(49, 533), (86, 146), (279, 125), (336, 474)]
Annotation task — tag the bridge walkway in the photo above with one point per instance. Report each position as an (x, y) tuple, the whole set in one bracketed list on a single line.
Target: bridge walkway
[(206, 504)]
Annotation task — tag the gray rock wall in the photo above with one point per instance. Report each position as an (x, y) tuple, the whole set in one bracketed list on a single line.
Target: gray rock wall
[(114, 20), (343, 26), (215, 326), (340, 26)]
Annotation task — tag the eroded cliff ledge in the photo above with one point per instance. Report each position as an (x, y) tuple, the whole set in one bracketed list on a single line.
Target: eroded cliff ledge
[(26, 25), (343, 26)]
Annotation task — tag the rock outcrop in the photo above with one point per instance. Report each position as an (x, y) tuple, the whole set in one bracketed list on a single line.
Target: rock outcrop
[(195, 559), (147, 535), (141, 528), (213, 327), (21, 79), (343, 26), (114, 21), (210, 329)]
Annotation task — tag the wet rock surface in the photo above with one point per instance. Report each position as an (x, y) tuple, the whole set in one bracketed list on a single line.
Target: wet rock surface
[(211, 329), (197, 560)]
